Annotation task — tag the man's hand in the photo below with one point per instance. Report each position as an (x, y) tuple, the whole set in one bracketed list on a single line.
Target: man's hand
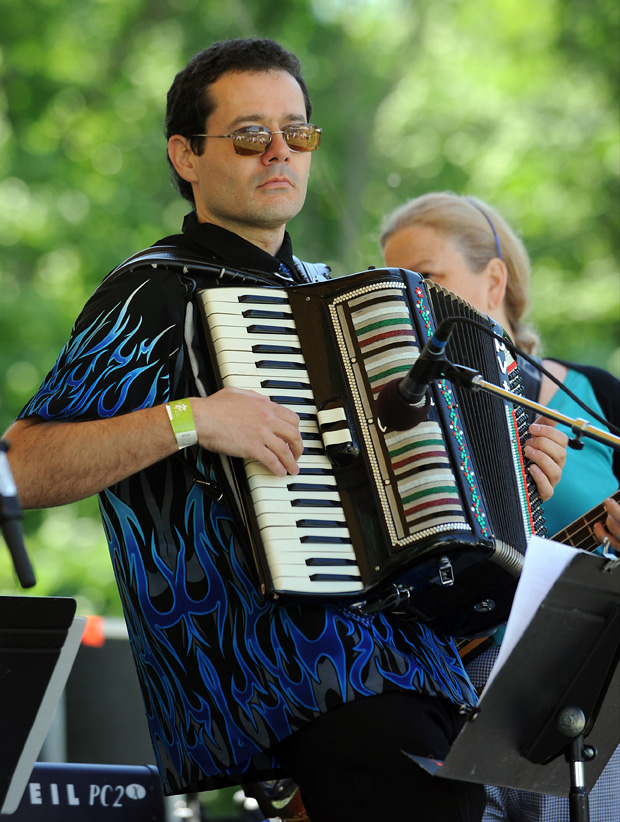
[(547, 452), (242, 423), (55, 463)]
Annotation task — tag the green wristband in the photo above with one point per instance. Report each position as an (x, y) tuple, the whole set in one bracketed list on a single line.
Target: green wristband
[(182, 422)]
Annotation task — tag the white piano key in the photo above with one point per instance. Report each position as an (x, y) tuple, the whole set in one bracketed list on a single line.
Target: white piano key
[(312, 485), (285, 584), (250, 372), (225, 336), (267, 507), (299, 554), (295, 559), (254, 384), (316, 524), (278, 494), (283, 568), (292, 535), (256, 469), (234, 322), (220, 299), (292, 515), (225, 345), (285, 365)]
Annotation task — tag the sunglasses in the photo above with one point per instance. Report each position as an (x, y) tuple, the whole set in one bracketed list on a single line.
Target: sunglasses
[(253, 140)]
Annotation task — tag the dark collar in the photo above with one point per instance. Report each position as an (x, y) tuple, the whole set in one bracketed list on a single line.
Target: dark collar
[(227, 247)]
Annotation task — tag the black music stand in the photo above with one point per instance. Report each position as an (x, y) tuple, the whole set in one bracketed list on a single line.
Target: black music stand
[(39, 638), (558, 685)]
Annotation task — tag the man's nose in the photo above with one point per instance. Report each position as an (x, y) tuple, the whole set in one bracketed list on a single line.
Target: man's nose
[(278, 149)]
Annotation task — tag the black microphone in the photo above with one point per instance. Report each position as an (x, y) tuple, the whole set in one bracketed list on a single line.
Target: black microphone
[(403, 403), (10, 514)]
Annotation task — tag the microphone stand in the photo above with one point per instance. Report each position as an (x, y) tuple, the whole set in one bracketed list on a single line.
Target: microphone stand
[(10, 514), (470, 379), (570, 722)]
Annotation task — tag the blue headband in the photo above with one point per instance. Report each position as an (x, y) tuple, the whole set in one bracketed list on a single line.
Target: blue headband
[(489, 221)]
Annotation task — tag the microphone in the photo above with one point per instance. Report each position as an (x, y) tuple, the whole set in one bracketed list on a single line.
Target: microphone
[(10, 514), (403, 403)]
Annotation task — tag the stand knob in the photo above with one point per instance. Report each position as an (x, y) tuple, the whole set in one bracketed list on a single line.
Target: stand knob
[(571, 722)]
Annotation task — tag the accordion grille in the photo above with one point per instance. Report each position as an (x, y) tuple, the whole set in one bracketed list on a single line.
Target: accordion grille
[(419, 459)]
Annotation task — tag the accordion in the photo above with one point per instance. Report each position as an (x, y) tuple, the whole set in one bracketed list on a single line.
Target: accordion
[(433, 521)]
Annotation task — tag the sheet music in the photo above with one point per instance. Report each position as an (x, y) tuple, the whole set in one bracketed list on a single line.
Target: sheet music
[(544, 562)]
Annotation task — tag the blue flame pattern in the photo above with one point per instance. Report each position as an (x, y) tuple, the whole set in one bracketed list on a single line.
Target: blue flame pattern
[(224, 673)]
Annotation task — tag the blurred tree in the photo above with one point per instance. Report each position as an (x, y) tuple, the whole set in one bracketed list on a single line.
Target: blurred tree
[(514, 102)]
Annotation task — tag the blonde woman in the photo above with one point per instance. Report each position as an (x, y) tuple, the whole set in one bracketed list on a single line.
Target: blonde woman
[(466, 246)]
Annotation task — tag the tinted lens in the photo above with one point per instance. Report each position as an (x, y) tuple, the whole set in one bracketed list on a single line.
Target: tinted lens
[(252, 141), (302, 138), (248, 142)]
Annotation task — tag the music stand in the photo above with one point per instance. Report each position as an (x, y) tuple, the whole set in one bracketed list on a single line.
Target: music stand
[(555, 684), (39, 638)]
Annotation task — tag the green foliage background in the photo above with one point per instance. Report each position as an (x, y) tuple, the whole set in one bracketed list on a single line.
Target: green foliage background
[(513, 101)]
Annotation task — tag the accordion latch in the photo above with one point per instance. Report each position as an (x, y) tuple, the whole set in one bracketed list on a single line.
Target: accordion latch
[(446, 572)]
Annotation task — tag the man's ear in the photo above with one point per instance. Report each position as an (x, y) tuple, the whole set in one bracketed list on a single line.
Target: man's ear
[(182, 158), (496, 277)]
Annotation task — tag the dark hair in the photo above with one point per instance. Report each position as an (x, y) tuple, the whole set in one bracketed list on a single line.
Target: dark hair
[(189, 104)]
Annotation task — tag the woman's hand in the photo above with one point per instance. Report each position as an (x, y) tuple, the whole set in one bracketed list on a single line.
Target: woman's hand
[(609, 529), (547, 451)]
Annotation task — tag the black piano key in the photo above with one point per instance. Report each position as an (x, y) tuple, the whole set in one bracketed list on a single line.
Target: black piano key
[(315, 472), (335, 578), (319, 487), (262, 348), (331, 561), (264, 299), (286, 385), (272, 330), (316, 503), (311, 435), (313, 452), (304, 415), (281, 364), (261, 314), (326, 540), (319, 523), (292, 400)]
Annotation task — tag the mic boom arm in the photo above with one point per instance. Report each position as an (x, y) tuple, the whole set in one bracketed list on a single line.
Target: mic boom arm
[(471, 379)]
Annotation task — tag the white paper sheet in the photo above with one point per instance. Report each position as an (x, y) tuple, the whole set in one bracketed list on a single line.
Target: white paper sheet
[(544, 562)]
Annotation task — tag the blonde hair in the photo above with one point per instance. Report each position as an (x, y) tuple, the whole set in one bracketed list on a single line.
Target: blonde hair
[(479, 233)]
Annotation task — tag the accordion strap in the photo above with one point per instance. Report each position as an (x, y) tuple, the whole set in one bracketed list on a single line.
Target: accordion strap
[(223, 486), (187, 262)]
